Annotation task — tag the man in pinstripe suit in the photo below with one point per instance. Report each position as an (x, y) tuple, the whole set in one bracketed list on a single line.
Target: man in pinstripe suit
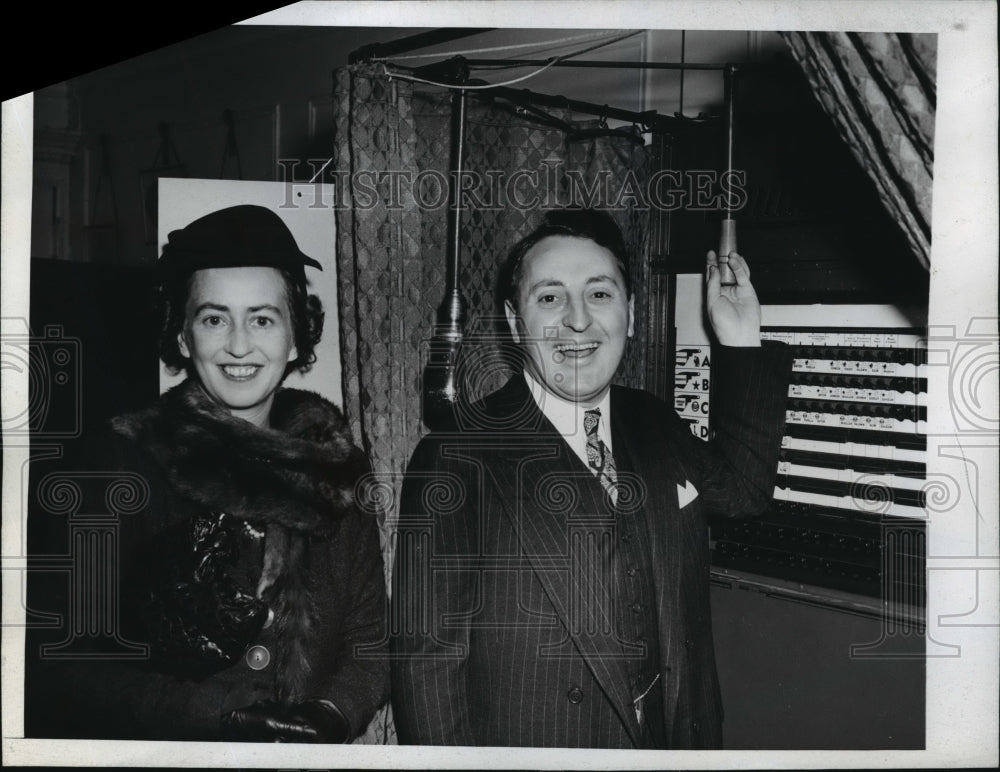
[(551, 585)]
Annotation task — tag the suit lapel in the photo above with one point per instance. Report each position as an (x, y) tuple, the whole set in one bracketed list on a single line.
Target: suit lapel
[(562, 519)]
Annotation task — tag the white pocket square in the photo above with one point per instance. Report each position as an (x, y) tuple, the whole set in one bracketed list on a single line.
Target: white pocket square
[(686, 494)]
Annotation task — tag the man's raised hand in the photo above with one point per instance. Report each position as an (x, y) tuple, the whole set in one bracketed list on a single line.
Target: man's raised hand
[(734, 311)]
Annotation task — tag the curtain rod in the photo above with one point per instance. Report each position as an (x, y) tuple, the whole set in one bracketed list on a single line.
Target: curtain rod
[(447, 34), (648, 118), (596, 63), (412, 42), (453, 73)]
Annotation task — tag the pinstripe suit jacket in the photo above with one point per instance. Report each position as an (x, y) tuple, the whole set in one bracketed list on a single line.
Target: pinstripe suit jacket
[(503, 616)]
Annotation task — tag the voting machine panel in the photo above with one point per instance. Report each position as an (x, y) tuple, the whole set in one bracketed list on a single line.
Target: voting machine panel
[(848, 511)]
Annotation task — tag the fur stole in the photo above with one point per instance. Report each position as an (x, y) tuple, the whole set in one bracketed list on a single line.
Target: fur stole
[(294, 480), (299, 474)]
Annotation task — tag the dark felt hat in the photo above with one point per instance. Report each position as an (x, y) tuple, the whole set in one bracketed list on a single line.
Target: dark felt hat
[(238, 236)]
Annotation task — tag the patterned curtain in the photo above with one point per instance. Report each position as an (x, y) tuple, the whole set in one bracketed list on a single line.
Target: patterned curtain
[(391, 156), (879, 89)]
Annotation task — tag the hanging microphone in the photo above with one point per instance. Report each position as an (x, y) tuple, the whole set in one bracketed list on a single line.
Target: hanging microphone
[(441, 389), (727, 244), (727, 235)]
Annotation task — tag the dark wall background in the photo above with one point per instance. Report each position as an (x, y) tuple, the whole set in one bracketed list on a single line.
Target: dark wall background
[(107, 134), (104, 313)]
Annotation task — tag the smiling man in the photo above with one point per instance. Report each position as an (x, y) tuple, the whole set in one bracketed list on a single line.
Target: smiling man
[(573, 310), (551, 585)]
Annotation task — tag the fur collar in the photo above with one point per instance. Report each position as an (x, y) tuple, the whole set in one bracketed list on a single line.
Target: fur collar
[(299, 474)]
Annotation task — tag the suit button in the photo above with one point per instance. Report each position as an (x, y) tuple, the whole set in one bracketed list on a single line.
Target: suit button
[(258, 657), (575, 695), (637, 608), (695, 727)]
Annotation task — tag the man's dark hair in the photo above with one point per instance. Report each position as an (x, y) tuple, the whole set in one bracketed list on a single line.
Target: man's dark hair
[(593, 224), (306, 313)]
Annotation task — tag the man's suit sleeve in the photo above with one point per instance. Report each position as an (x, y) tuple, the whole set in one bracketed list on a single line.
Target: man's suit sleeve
[(431, 593), (735, 471)]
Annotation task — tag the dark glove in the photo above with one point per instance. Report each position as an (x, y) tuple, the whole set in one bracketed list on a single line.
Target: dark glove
[(313, 721)]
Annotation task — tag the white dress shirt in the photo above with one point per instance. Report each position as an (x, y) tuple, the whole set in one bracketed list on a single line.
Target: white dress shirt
[(567, 417)]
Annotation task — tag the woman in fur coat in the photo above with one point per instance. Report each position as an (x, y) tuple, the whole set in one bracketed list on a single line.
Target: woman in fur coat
[(253, 576)]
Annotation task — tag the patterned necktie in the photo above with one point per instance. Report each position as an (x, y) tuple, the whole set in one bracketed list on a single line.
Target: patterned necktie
[(598, 456)]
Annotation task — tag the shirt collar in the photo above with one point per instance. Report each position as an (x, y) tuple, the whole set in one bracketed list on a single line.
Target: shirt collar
[(567, 416)]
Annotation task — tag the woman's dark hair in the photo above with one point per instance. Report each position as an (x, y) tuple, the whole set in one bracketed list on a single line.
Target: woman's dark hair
[(306, 318), (593, 224)]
